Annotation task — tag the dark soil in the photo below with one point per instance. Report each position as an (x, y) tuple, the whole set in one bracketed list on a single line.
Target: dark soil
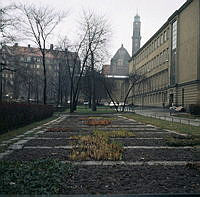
[(125, 142), (32, 154), (50, 142), (155, 134), (63, 134), (132, 129), (133, 180), (141, 142), (161, 155)]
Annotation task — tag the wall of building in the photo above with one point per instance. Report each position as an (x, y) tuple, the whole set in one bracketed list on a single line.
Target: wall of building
[(171, 74), (188, 51)]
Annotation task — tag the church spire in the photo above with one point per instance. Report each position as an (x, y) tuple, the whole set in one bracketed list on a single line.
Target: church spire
[(136, 34)]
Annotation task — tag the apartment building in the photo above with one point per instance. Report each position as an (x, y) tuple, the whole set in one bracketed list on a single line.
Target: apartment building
[(24, 78)]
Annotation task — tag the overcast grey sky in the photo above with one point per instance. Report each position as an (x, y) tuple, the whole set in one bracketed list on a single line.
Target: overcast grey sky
[(153, 13)]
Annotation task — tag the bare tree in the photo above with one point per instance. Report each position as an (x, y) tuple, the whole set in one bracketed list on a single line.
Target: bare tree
[(97, 38), (99, 87), (7, 24), (93, 36), (134, 79), (37, 24), (109, 86), (73, 65)]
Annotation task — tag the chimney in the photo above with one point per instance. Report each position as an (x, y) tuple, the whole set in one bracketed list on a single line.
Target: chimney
[(29, 45), (51, 46)]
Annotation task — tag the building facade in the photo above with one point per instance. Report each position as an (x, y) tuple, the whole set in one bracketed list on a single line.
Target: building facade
[(170, 62), (24, 78), (117, 71)]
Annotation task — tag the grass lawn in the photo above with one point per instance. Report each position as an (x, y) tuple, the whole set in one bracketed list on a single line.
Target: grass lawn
[(190, 116), (180, 128), (13, 133), (100, 110)]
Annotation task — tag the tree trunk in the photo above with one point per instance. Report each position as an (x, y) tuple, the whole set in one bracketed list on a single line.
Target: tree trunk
[(1, 85), (45, 78), (108, 92), (94, 108), (29, 92)]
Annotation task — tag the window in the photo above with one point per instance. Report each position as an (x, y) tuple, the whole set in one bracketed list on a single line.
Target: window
[(154, 44), (174, 35), (165, 36), (28, 59), (161, 39), (157, 42)]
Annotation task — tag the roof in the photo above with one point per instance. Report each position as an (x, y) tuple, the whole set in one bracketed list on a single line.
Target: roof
[(31, 51), (121, 53)]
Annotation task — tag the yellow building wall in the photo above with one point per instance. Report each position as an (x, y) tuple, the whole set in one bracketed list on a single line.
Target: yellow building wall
[(188, 52)]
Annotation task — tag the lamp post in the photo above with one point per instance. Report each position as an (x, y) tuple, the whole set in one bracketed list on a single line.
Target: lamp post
[(1, 70)]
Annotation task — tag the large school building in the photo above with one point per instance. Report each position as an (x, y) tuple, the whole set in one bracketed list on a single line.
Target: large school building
[(170, 62)]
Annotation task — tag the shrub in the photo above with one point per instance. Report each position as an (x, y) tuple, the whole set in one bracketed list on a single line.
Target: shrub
[(195, 109), (15, 115)]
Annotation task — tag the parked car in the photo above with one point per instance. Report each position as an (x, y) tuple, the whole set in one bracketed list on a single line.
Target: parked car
[(112, 104), (85, 102), (176, 109)]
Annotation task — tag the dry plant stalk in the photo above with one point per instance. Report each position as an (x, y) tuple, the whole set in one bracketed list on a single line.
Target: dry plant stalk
[(113, 134), (96, 148), (94, 122)]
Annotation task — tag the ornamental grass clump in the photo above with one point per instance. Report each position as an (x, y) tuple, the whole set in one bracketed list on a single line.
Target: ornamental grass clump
[(95, 122), (96, 148), (113, 134)]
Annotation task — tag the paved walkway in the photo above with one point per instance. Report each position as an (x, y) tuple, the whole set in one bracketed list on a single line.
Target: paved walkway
[(163, 114)]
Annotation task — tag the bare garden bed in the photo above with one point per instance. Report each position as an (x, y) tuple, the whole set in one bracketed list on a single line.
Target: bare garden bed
[(118, 179)]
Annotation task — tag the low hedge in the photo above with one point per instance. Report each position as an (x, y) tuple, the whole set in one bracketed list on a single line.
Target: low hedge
[(14, 115), (195, 109)]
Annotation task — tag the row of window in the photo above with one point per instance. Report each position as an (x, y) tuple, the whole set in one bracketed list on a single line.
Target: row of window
[(155, 82), (158, 60), (160, 98), (7, 75), (157, 42), (37, 59)]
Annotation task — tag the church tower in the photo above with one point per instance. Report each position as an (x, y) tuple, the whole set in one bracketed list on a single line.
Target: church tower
[(136, 34)]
